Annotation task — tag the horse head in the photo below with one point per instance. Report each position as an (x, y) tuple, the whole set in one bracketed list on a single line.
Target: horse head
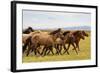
[(79, 34), (57, 33), (30, 29), (85, 34)]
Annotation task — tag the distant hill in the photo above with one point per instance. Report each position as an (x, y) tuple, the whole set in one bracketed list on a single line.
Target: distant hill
[(78, 28), (69, 28)]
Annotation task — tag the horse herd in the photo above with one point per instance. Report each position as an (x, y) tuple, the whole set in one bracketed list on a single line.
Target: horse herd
[(34, 41)]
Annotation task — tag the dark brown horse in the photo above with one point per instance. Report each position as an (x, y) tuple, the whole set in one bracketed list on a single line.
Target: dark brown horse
[(28, 30), (73, 37), (69, 38), (78, 39), (60, 43)]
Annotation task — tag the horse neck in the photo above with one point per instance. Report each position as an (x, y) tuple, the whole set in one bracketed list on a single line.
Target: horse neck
[(77, 37)]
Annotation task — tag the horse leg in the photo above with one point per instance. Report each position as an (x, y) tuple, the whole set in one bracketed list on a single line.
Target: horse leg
[(50, 48), (66, 50), (35, 51), (48, 52), (44, 48), (60, 48), (74, 48), (31, 48), (38, 52), (77, 44), (28, 51), (57, 49), (25, 46), (28, 43)]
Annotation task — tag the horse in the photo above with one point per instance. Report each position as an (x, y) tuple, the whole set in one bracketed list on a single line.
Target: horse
[(72, 38), (28, 30), (60, 43), (44, 39), (26, 39), (78, 40), (69, 38)]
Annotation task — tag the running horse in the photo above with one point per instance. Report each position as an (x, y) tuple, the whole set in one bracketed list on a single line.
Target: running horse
[(74, 37), (44, 39), (78, 39)]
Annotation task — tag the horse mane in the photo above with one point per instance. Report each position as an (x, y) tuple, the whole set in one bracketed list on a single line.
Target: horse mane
[(56, 31), (66, 32)]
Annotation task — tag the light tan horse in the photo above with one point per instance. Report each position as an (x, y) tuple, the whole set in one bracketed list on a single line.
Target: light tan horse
[(44, 39), (26, 38)]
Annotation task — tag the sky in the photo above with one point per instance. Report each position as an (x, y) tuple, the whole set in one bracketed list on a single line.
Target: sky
[(53, 20)]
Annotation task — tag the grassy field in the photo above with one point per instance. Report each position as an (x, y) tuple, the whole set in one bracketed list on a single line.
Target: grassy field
[(84, 54)]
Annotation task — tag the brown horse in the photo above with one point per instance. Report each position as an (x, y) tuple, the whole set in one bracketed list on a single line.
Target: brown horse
[(69, 38), (25, 41), (44, 39), (26, 38), (60, 44), (78, 39), (72, 38)]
